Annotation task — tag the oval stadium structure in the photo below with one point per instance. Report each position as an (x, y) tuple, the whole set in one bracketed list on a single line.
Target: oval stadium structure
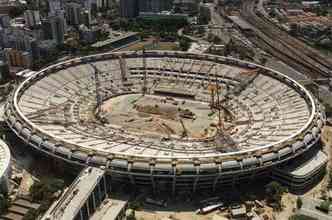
[(160, 118)]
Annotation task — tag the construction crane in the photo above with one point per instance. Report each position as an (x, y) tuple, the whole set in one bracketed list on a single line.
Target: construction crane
[(212, 89), (123, 67), (184, 131), (215, 102), (144, 88), (98, 85), (208, 72), (218, 105)]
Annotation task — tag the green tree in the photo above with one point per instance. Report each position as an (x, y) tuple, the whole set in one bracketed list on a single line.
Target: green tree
[(4, 203), (16, 11), (299, 202), (329, 186), (325, 206), (275, 190), (130, 214), (44, 190), (184, 44), (32, 214), (301, 217)]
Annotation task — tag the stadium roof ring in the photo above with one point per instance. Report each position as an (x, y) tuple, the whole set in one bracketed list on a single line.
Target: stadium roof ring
[(165, 109)]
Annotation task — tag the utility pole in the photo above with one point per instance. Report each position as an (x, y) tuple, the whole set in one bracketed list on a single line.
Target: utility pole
[(211, 88), (212, 97)]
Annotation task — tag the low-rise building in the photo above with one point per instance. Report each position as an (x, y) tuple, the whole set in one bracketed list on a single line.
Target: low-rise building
[(111, 209), (82, 197)]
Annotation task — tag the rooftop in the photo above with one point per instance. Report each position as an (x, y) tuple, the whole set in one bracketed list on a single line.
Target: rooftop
[(67, 206), (238, 211), (314, 163), (109, 210)]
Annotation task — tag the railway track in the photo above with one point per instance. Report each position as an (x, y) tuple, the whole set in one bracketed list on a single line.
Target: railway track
[(286, 58), (300, 47), (281, 45)]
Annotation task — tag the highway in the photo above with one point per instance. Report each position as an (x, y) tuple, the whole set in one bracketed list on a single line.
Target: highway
[(280, 44)]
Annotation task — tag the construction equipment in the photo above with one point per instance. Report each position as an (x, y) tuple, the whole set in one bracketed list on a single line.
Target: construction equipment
[(98, 85), (184, 131)]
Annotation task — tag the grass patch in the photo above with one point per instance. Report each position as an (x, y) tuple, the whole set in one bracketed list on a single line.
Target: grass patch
[(160, 46), (133, 101), (325, 206), (211, 114), (301, 217)]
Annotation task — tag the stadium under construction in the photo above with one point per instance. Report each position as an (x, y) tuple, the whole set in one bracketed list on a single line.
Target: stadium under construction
[(172, 120)]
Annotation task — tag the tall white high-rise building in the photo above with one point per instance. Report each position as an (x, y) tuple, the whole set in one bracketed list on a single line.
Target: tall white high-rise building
[(54, 6), (4, 20), (57, 24), (129, 8), (20, 39), (154, 5), (88, 3), (105, 4), (32, 18)]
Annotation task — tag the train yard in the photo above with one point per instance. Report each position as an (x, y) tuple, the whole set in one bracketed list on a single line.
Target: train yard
[(277, 42)]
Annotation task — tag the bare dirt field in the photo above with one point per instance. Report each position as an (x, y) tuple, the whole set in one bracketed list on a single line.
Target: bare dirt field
[(158, 115)]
